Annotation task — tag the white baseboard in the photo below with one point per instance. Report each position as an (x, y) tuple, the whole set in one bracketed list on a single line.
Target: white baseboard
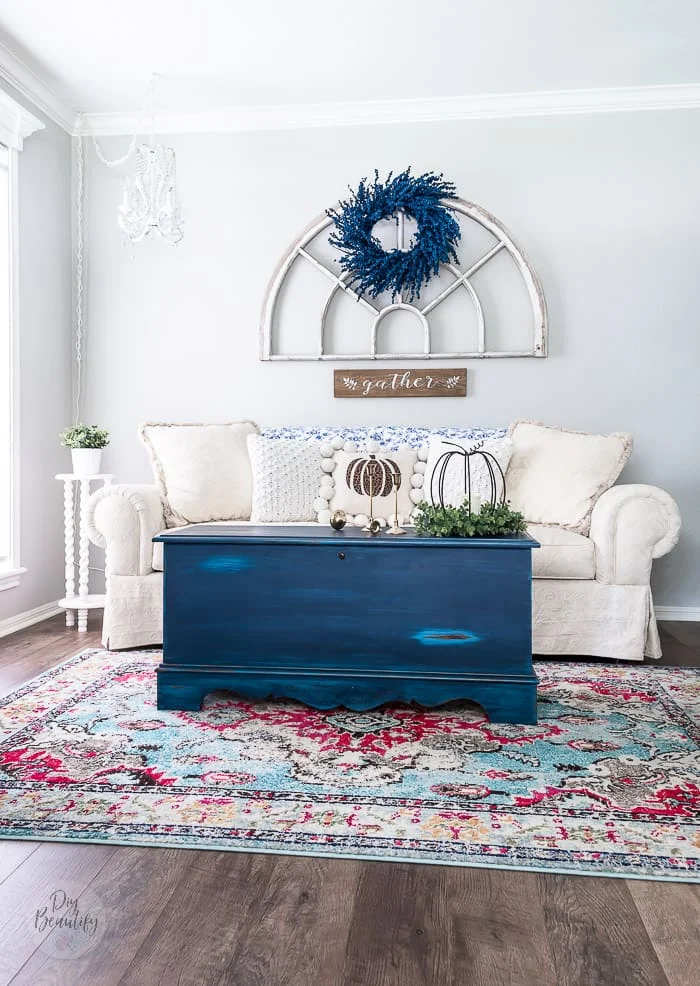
[(22, 620), (685, 614)]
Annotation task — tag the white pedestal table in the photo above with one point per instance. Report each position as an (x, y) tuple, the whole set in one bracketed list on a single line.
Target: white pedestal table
[(83, 600)]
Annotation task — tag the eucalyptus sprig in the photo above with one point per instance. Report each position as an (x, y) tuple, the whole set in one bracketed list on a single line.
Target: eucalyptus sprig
[(458, 522)]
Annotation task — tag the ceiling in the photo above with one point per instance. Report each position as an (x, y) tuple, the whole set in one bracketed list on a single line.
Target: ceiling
[(210, 54)]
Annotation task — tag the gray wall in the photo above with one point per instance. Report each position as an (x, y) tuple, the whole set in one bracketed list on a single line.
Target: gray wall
[(606, 206), (45, 361)]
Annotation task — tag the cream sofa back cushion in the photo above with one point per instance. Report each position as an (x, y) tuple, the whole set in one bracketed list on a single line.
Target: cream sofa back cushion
[(203, 471), (556, 476)]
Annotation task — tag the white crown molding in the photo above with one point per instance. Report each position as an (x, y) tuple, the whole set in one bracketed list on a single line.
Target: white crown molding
[(485, 107), (28, 81), (35, 89)]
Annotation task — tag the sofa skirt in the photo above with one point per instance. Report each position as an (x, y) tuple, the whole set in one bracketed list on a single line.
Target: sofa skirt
[(570, 618)]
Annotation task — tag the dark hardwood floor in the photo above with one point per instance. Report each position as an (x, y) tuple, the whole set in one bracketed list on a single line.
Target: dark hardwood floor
[(195, 918)]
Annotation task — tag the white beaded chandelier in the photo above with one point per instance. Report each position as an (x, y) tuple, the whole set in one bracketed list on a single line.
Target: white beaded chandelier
[(150, 203)]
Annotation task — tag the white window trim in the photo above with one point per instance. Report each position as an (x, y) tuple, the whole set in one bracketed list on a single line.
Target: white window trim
[(16, 123), (9, 577)]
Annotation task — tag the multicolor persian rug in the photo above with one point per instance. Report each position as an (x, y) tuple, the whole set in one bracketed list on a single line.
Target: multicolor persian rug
[(607, 783)]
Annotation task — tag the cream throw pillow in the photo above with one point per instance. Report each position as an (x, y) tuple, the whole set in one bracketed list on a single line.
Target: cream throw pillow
[(453, 481), (203, 471), (286, 478), (556, 476), (341, 485)]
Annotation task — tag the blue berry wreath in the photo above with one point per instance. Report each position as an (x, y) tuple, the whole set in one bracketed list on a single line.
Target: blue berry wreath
[(374, 270)]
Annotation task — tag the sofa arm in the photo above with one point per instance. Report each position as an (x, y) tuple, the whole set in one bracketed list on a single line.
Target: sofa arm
[(122, 520), (630, 526)]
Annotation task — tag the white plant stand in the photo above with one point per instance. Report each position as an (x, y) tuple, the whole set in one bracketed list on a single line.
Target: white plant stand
[(83, 600)]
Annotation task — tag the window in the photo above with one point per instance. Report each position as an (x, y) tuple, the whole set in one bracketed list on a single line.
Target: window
[(16, 124), (8, 574)]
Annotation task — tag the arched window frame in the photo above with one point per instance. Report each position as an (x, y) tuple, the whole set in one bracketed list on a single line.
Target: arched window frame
[(504, 241)]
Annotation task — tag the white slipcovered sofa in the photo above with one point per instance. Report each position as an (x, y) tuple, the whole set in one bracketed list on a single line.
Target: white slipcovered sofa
[(591, 585)]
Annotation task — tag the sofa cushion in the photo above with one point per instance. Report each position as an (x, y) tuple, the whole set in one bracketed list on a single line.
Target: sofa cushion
[(556, 476), (202, 471), (286, 478), (448, 473), (563, 554), (388, 436), (346, 477)]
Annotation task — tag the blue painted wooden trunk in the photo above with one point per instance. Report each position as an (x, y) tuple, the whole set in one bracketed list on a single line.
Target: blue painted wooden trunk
[(344, 618)]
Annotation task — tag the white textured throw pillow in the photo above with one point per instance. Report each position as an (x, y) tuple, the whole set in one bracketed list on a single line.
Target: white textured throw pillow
[(454, 492), (556, 476), (203, 471), (286, 478), (342, 483)]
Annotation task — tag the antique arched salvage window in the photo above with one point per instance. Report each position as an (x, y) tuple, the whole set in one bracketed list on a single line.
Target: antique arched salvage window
[(490, 305)]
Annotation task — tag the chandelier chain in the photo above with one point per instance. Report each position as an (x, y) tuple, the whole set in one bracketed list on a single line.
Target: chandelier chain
[(117, 161), (139, 129), (79, 271)]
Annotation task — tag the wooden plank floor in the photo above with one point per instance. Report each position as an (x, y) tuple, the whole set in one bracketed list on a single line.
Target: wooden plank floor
[(195, 918)]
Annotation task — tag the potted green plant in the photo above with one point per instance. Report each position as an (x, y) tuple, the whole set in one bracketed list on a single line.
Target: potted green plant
[(492, 520), (85, 443)]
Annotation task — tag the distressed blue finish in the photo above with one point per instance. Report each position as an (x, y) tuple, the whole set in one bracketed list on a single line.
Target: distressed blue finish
[(341, 618), (445, 637)]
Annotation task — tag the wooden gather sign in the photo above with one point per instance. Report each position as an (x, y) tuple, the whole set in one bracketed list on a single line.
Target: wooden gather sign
[(400, 383)]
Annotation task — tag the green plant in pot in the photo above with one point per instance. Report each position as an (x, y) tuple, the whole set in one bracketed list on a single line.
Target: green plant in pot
[(492, 520), (85, 443)]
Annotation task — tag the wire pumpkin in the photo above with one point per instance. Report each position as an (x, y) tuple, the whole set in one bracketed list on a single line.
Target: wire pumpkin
[(493, 469)]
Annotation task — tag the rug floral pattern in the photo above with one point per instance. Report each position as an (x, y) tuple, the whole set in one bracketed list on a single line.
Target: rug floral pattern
[(608, 781)]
